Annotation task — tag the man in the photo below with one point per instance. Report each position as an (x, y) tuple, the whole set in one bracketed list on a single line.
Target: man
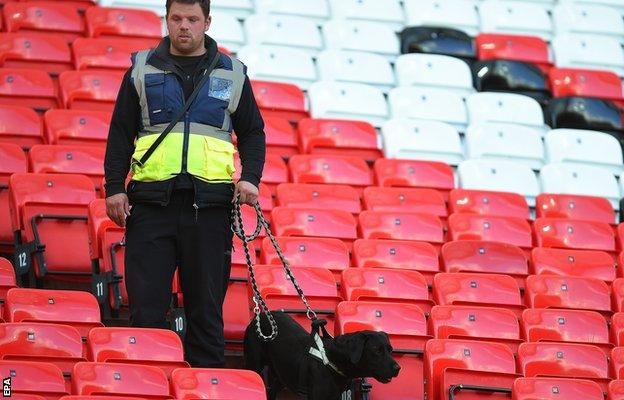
[(178, 205)]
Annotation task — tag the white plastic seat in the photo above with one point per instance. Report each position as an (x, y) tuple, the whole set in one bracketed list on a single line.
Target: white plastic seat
[(152, 5), (520, 18), (316, 10), (616, 4), (284, 30), (504, 107), (588, 51), (389, 12), (277, 63), (586, 18), (578, 146), (419, 102), (238, 8), (578, 179), (458, 14), (545, 4), (227, 31), (374, 37), (422, 140), (434, 70), (344, 100), (498, 141), (356, 66), (499, 175)]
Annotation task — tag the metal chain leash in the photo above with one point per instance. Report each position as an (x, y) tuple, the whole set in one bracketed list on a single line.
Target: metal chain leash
[(259, 303)]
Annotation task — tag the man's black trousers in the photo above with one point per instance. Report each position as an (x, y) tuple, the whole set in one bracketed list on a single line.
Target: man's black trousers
[(159, 238)]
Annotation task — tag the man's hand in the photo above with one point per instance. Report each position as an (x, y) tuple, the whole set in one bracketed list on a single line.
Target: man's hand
[(118, 208), (247, 191)]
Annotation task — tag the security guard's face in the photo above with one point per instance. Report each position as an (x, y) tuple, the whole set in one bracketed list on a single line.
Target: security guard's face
[(186, 24)]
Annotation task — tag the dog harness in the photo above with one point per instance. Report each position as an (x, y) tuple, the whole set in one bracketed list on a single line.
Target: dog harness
[(319, 353)]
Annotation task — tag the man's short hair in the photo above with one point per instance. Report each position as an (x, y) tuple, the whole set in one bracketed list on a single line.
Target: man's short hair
[(204, 4)]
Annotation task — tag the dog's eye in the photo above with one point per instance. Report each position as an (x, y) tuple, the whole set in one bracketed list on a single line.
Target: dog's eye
[(379, 350)]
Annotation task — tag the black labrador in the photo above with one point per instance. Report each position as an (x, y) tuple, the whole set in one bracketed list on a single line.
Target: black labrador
[(354, 355)]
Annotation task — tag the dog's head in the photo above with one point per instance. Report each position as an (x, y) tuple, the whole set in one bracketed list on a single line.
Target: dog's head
[(369, 354)]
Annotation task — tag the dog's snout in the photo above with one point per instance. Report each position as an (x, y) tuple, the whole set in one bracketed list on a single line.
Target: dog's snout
[(395, 369)]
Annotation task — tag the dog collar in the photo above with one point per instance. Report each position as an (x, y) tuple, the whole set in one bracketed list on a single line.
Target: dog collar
[(319, 354)]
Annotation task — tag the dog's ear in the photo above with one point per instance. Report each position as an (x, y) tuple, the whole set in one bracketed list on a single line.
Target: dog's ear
[(356, 348)]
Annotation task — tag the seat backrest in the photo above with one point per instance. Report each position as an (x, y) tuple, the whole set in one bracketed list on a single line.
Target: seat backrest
[(401, 226), (586, 18), (12, 159), (284, 30), (546, 291), (72, 159), (192, 383), (327, 197), (484, 256), (345, 170), (617, 362), (422, 102), (504, 107), (314, 281), (385, 199), (35, 378), (515, 17), (589, 208), (584, 147), (24, 49), (510, 230), (564, 326), (327, 253), (398, 254), (571, 360), (583, 50), (487, 202), (311, 222), (123, 22), (280, 99), (77, 127), (616, 389), (226, 30), (93, 378), (512, 47), (356, 66), (106, 52), (27, 87), (353, 316), (44, 17), (382, 284), (555, 388), (98, 222), (390, 12), (317, 10), (454, 322), (95, 90), (568, 262), (7, 278), (476, 289), (458, 14), (414, 173), (371, 36), (434, 70), (585, 82), (20, 125), (574, 234)]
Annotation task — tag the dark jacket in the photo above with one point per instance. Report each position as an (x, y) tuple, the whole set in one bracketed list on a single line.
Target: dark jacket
[(126, 123)]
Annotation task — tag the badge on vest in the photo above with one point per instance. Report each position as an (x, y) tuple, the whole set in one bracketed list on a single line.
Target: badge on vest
[(220, 88)]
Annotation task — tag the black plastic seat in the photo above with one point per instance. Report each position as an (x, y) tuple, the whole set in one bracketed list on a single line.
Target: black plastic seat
[(438, 40)]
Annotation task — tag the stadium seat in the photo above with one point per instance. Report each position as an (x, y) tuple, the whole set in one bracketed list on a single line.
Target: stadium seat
[(147, 346), (70, 159), (504, 107), (511, 230), (585, 18), (123, 22), (237, 8), (340, 137), (21, 126), (546, 291), (580, 263), (438, 40), (585, 82), (384, 199), (193, 383), (69, 307), (284, 30), (90, 90), (617, 329), (316, 10), (337, 224), (584, 180), (414, 173), (54, 18), (588, 208), (477, 289), (515, 17), (278, 63), (226, 30), (457, 14), (334, 169), (555, 388), (326, 197), (34, 378), (575, 146), (434, 70), (588, 51), (567, 233), (616, 390), (281, 137), (532, 49), (27, 50), (275, 171), (95, 378), (401, 225), (7, 281), (503, 141), (484, 202), (280, 100), (106, 53), (617, 294), (357, 67), (422, 140), (77, 127), (374, 37), (32, 88), (386, 285), (590, 113), (12, 159), (390, 13), (482, 368), (347, 100), (408, 341), (417, 102), (499, 176)]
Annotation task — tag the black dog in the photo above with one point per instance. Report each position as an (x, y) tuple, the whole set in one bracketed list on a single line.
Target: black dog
[(354, 355)]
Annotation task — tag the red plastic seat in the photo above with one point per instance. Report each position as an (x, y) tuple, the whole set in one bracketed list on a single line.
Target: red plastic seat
[(588, 208), (428, 201), (401, 226), (414, 173), (326, 197), (510, 230), (616, 390), (275, 171), (236, 316), (277, 99), (223, 384), (581, 263), (484, 202), (106, 53), (34, 378), (12, 159), (555, 388), (513, 47), (70, 307), (451, 365), (21, 126), (28, 88), (475, 323), (477, 289), (7, 281), (90, 90), (77, 127), (281, 136), (617, 290), (617, 362), (338, 137), (44, 17), (574, 234), (337, 224), (584, 82), (344, 170), (391, 285), (123, 22), (407, 339), (545, 291), (146, 381), (161, 348), (68, 159), (617, 329), (26, 50)]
